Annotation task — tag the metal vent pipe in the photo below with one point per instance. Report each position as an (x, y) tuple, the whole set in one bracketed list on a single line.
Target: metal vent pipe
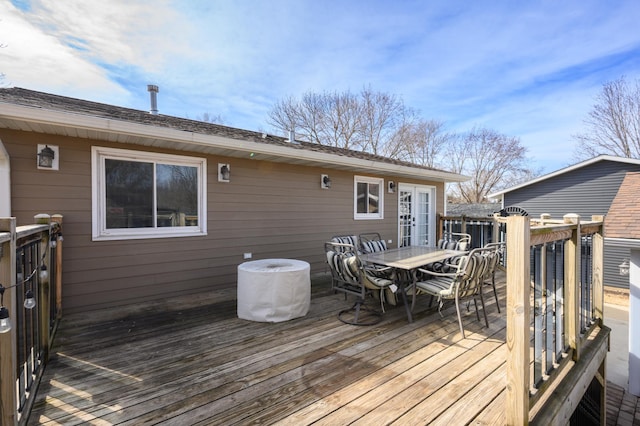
[(153, 93)]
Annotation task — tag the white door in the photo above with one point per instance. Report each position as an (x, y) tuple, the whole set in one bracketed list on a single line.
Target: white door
[(416, 221)]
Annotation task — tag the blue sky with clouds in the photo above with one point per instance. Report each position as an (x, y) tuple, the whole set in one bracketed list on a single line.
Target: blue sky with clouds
[(529, 69)]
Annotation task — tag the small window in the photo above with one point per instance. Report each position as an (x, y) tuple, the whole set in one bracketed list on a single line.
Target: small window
[(147, 195), (368, 198)]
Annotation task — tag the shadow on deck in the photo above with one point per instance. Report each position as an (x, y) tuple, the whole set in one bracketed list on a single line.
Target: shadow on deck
[(192, 361)]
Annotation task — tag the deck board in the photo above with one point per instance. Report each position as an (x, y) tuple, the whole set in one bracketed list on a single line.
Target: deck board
[(181, 363)]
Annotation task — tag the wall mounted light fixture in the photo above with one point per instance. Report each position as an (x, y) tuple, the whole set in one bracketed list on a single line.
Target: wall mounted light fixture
[(391, 186), (325, 182), (624, 267), (48, 157), (224, 172)]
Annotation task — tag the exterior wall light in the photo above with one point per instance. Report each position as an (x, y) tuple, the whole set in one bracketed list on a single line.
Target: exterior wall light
[(224, 172), (325, 182), (624, 267), (5, 321), (391, 186), (47, 158), (29, 300)]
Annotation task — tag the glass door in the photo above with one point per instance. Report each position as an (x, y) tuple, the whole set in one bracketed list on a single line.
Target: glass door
[(416, 221)]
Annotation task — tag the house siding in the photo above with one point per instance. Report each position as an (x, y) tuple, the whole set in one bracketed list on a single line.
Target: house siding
[(272, 210), (586, 191), (613, 257)]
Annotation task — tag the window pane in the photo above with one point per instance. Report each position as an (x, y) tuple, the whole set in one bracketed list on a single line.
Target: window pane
[(374, 197), (129, 190), (177, 189), (362, 197)]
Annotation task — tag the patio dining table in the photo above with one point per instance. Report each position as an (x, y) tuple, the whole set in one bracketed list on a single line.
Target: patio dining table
[(405, 261)]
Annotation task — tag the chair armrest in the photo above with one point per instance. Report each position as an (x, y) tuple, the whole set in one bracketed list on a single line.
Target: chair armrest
[(438, 274), (377, 268)]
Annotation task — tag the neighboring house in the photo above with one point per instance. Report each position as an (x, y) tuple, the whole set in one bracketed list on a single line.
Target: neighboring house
[(156, 206), (587, 188), (473, 210), (623, 229)]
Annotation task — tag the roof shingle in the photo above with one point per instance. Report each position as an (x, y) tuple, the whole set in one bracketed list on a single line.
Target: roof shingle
[(622, 220), (31, 98)]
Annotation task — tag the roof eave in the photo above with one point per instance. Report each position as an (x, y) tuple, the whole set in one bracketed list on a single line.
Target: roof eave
[(156, 136), (576, 166)]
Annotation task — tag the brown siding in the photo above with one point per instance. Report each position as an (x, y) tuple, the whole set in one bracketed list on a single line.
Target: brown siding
[(268, 209)]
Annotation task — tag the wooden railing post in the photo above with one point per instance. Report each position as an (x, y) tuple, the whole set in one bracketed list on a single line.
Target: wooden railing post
[(518, 319), (598, 273), (43, 287), (572, 285), (495, 230), (57, 218), (8, 350)]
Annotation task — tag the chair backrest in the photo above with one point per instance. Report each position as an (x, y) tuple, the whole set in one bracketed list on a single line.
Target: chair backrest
[(345, 239), (346, 268), (496, 256), (472, 271), (455, 241), (371, 242)]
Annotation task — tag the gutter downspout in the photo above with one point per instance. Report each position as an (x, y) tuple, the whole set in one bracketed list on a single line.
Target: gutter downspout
[(634, 325), (5, 182)]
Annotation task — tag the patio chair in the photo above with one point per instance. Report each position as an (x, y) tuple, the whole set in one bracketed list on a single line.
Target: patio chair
[(464, 283), (451, 241), (494, 257), (345, 239), (371, 242), (351, 277)]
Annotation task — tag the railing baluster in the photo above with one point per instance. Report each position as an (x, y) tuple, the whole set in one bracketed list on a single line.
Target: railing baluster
[(550, 295), (558, 280), (538, 316)]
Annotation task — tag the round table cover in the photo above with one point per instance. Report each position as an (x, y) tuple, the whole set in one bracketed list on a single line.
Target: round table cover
[(273, 290)]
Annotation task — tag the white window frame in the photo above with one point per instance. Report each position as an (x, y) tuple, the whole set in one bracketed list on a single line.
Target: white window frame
[(368, 216), (98, 195)]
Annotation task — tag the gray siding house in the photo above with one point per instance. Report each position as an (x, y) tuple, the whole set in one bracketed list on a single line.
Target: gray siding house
[(155, 206), (587, 188)]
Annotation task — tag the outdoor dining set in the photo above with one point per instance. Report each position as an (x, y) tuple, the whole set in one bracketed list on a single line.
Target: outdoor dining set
[(363, 266)]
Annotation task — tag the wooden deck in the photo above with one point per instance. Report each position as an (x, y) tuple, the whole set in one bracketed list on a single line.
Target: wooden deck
[(191, 361)]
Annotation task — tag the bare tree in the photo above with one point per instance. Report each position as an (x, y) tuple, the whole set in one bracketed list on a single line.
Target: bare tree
[(381, 114), (210, 118), (613, 125), (491, 159), (341, 121), (366, 121), (424, 142), (381, 124)]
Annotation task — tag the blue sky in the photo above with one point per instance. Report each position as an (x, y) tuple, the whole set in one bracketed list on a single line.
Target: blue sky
[(529, 69)]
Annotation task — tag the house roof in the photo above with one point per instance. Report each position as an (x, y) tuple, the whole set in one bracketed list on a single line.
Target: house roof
[(622, 219), (28, 110), (565, 170), (473, 210)]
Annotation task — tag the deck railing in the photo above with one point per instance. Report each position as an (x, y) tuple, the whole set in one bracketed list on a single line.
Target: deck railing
[(556, 339), (483, 230), (30, 280)]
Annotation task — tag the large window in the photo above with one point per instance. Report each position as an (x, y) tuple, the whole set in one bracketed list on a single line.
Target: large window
[(368, 198), (147, 195)]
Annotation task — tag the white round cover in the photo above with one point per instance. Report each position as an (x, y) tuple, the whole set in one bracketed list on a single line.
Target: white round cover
[(273, 290)]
